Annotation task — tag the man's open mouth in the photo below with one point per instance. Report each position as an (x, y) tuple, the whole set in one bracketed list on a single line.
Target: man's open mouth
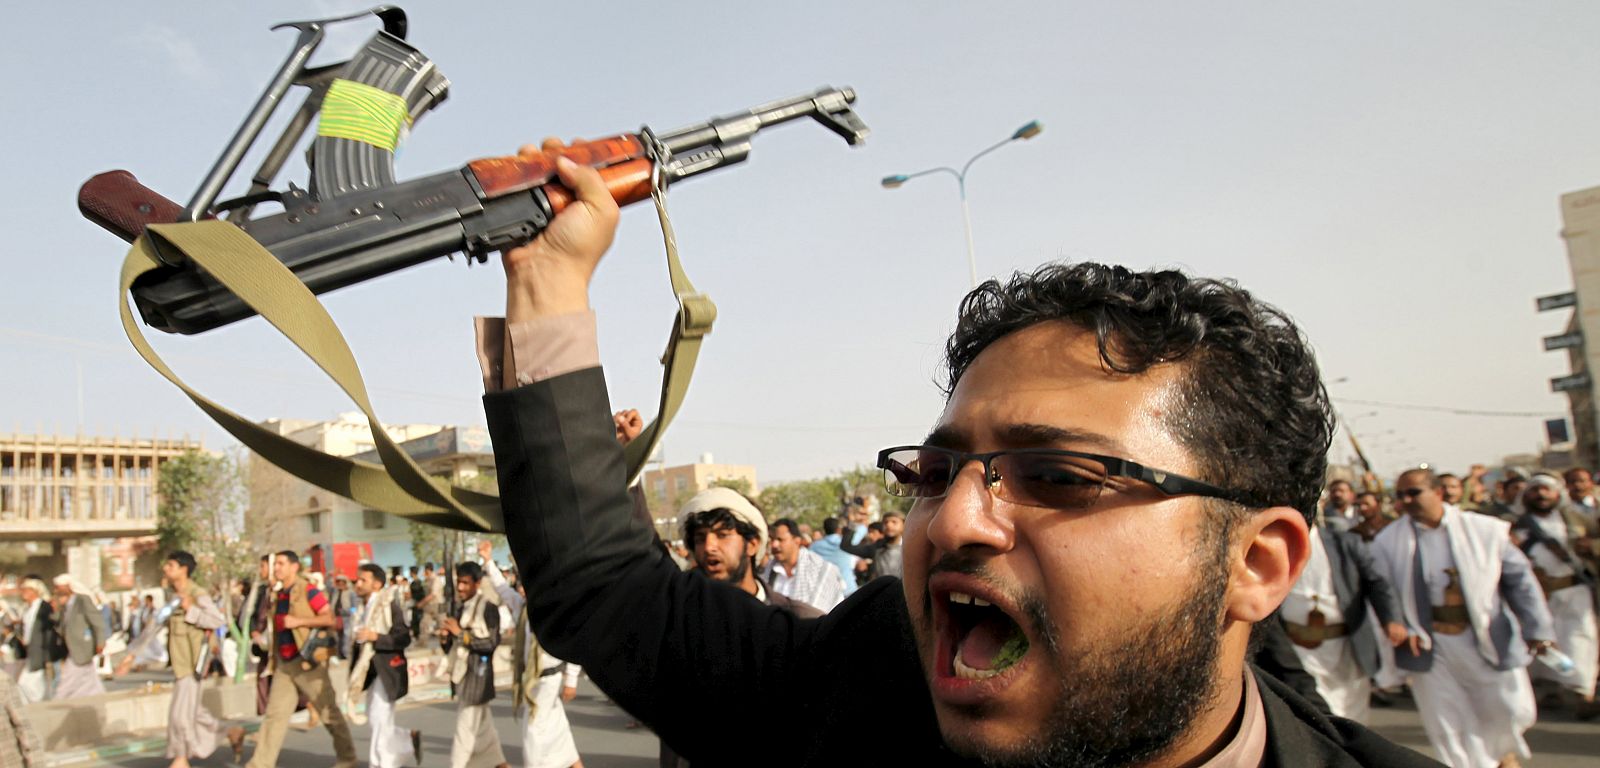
[(983, 640)]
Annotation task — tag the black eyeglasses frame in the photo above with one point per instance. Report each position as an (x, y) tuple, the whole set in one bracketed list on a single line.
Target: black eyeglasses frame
[(1169, 483)]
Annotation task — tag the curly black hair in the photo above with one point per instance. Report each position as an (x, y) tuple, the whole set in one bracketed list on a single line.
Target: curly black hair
[(1253, 410)]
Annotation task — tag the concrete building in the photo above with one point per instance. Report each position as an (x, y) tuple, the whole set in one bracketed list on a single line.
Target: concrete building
[(333, 530), (668, 487), (685, 480), (64, 498), (1580, 217)]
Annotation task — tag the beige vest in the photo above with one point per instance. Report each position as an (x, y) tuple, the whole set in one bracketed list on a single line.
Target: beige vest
[(185, 640)]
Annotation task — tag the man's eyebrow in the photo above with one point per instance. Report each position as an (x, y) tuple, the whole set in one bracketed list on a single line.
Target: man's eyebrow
[(1047, 435), (947, 436), (1029, 435)]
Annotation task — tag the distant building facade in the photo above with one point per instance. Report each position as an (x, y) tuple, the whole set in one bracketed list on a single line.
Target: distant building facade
[(64, 499), (668, 487), (337, 533), (689, 479)]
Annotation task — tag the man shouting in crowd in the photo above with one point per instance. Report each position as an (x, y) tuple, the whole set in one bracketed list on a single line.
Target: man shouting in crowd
[(1118, 488)]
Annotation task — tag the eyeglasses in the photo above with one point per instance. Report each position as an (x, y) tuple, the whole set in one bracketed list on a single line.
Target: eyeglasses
[(1032, 477), (1409, 493)]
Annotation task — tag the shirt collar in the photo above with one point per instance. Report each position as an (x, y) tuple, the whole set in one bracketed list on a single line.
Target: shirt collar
[(1249, 744)]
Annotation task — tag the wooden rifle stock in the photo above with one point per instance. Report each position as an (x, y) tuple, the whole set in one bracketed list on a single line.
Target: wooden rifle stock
[(621, 161)]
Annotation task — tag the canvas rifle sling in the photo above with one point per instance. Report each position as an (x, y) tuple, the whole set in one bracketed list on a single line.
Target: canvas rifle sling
[(397, 485)]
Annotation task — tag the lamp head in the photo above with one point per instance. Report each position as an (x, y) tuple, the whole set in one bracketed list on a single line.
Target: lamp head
[(1028, 131), (890, 182)]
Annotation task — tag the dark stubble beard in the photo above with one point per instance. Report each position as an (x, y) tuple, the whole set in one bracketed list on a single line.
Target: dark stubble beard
[(1126, 702)]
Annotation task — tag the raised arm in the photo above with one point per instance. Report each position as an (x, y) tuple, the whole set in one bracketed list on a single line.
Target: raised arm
[(502, 587), (1380, 594), (665, 644)]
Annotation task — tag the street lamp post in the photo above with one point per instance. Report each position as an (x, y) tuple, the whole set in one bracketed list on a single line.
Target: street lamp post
[(1028, 131)]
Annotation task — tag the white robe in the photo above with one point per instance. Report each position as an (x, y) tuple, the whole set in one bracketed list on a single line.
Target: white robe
[(1473, 714), (1577, 633), (1332, 664)]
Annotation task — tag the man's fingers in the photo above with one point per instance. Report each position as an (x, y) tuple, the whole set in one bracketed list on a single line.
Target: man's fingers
[(586, 183), (1416, 645), (551, 144)]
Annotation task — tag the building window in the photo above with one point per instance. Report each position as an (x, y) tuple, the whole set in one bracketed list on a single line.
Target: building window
[(372, 519), (315, 520), (679, 483)]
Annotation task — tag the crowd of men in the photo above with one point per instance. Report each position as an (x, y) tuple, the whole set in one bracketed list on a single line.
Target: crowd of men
[(1471, 600), (53, 639), (298, 631), (1116, 525)]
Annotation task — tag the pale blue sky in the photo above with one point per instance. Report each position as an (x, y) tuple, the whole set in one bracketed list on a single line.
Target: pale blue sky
[(1388, 173)]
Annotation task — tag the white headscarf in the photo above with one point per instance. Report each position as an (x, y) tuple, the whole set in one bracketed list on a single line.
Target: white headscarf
[(734, 502)]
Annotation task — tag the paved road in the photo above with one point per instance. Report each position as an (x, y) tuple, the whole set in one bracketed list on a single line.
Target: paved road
[(1557, 740), (600, 730), (605, 741)]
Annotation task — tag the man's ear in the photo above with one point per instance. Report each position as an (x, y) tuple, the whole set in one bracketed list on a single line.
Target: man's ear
[(1272, 547)]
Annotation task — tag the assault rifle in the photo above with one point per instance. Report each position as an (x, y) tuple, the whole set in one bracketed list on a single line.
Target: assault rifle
[(354, 221)]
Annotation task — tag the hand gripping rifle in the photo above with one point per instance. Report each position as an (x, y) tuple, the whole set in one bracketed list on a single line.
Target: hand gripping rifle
[(208, 263)]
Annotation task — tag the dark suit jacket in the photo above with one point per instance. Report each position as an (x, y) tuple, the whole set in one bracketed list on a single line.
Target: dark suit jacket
[(389, 655), (83, 626), (44, 625), (477, 687), (671, 646), (1357, 584)]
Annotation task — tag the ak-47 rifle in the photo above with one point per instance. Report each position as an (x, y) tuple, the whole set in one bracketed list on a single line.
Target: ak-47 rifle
[(207, 263), (354, 222)]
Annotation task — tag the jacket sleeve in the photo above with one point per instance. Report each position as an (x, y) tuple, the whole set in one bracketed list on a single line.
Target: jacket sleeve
[(204, 613), (398, 636), (97, 624), (1380, 594), (1520, 590), (502, 587), (666, 645), (865, 549)]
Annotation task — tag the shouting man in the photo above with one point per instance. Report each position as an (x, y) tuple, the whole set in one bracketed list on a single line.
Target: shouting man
[(1117, 489)]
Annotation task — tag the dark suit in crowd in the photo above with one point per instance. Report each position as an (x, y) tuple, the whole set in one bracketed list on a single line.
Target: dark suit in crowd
[(389, 655), (1356, 585)]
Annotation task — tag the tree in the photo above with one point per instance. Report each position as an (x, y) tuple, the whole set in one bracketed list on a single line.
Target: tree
[(429, 542), (203, 498), (810, 501)]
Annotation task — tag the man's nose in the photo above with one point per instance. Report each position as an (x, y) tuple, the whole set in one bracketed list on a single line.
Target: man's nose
[(968, 515)]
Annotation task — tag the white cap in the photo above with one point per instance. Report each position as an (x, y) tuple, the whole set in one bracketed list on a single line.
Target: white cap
[(734, 502)]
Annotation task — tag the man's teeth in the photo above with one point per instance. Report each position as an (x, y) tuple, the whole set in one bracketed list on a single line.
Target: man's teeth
[(966, 599), (965, 672)]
